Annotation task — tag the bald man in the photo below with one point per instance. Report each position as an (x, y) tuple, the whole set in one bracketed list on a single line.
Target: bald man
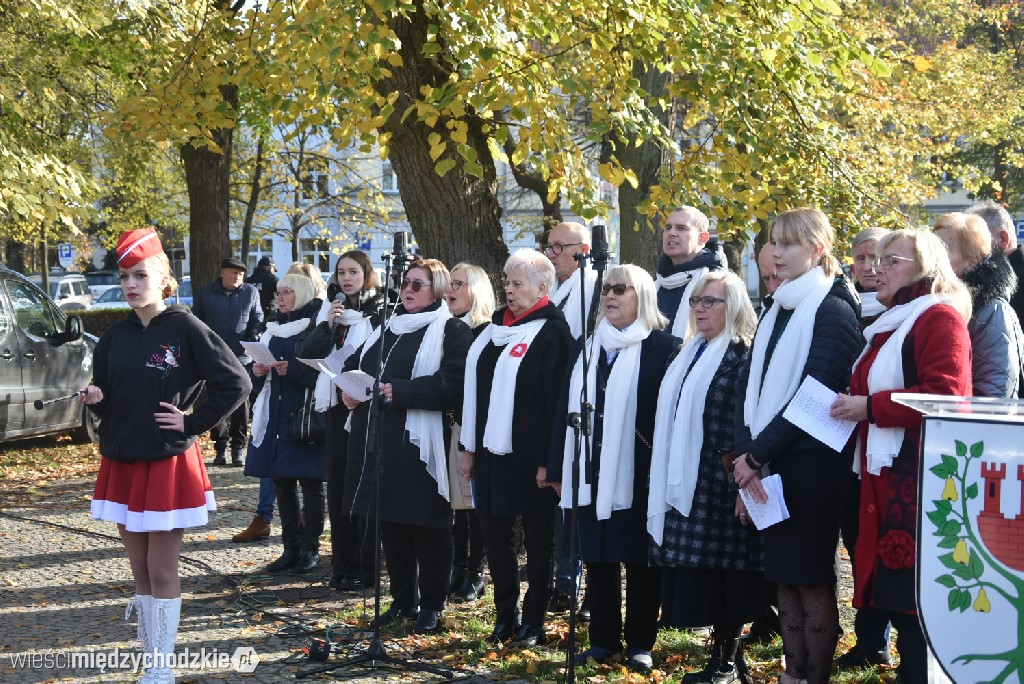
[(685, 259), (564, 242)]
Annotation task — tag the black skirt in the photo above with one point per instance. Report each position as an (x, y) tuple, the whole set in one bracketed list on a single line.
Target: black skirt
[(695, 597)]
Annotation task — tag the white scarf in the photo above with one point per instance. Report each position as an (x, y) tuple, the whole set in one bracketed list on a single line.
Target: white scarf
[(424, 427), (679, 431), (359, 328), (766, 399), (567, 298), (615, 481), (886, 373), (869, 305), (498, 430), (687, 279), (261, 408)]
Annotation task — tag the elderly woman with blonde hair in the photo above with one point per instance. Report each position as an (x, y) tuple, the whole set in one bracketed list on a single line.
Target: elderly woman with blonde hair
[(628, 354), (508, 416), (692, 498)]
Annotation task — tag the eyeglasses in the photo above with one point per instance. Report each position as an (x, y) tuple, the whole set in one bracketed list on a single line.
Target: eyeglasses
[(282, 293), (618, 288), (888, 261), (414, 285), (556, 248), (457, 284), (707, 301)]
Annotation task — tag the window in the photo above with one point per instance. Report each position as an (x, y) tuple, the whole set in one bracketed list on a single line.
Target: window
[(316, 179), (316, 251), (388, 179), (31, 311), (5, 322)]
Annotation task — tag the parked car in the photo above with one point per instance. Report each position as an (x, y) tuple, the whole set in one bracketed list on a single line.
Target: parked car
[(101, 281), (70, 291), (43, 355), (184, 294), (112, 299)]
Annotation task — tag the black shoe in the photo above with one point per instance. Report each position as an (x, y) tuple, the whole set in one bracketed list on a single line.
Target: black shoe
[(236, 457), (393, 614), (347, 584), (458, 578), (308, 560), (287, 561), (583, 614), (560, 602), (472, 588), (219, 459), (429, 622), (639, 660), (528, 635), (596, 653), (861, 657), (503, 631)]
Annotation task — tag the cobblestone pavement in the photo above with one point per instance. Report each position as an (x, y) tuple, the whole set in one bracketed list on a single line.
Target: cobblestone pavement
[(65, 583)]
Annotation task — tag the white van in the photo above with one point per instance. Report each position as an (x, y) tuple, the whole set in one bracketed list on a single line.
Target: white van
[(70, 291)]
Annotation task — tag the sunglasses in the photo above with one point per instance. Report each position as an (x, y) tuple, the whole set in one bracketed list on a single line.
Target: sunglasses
[(707, 301), (282, 293), (618, 288), (414, 285), (457, 284)]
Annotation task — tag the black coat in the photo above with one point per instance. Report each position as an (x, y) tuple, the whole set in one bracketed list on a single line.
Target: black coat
[(265, 283), (711, 537), (278, 455), (506, 485), (1016, 259), (622, 538), (408, 491), (669, 300)]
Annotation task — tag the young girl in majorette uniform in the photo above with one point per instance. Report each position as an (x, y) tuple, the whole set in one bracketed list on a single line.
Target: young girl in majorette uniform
[(148, 370)]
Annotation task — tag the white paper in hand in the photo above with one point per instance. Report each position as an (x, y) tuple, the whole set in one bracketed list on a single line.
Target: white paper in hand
[(259, 352), (333, 364), (808, 410), (356, 384), (773, 510)]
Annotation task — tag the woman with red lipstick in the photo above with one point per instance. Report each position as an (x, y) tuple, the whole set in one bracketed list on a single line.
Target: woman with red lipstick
[(513, 375)]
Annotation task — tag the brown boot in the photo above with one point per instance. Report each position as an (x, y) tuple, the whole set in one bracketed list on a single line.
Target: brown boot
[(257, 529)]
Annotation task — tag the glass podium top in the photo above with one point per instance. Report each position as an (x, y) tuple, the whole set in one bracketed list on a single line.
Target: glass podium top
[(962, 407)]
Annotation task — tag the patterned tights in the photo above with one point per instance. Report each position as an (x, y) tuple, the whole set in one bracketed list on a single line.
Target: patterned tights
[(810, 629)]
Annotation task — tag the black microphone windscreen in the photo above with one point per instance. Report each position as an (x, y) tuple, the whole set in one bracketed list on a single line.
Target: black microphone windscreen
[(401, 241), (598, 238)]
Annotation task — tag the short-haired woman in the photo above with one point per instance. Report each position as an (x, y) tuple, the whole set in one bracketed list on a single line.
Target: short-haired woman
[(811, 329), (273, 452), (996, 339), (920, 344), (348, 315), (862, 271), (692, 497), (508, 416), (628, 354), (309, 270), (471, 298), (421, 372)]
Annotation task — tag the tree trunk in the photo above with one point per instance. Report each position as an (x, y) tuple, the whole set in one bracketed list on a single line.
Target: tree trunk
[(254, 198), (207, 176), (457, 217)]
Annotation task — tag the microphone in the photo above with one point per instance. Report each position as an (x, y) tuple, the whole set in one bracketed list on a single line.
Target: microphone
[(38, 404), (340, 297), (599, 254), (400, 252)]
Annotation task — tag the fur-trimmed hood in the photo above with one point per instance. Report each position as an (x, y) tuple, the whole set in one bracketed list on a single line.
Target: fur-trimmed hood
[(991, 279)]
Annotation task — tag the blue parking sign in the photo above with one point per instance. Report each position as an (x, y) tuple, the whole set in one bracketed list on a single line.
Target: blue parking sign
[(65, 254)]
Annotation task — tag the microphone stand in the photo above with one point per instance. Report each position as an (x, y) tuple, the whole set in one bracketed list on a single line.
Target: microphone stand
[(582, 426), (376, 656)]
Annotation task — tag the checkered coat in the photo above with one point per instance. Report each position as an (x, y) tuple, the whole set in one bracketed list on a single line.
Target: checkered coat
[(712, 537)]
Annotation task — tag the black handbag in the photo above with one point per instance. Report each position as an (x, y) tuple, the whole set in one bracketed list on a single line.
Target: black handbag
[(307, 424)]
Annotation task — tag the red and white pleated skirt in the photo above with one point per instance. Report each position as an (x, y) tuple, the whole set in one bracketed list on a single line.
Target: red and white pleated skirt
[(154, 496)]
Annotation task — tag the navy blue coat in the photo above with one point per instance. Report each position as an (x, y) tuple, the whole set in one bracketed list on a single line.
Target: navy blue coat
[(279, 455), (235, 315), (622, 538)]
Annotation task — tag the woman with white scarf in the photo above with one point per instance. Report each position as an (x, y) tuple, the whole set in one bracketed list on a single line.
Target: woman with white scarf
[(692, 499), (349, 313), (421, 372), (628, 354), (513, 375), (273, 452), (811, 330), (920, 344)]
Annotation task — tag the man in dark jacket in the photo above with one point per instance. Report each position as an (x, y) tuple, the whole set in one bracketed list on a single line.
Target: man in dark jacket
[(265, 282), (1004, 239), (231, 308), (687, 254)]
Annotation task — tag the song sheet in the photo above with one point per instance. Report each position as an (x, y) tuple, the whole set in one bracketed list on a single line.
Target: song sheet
[(808, 410)]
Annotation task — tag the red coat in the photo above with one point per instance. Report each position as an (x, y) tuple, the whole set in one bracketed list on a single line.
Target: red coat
[(936, 360)]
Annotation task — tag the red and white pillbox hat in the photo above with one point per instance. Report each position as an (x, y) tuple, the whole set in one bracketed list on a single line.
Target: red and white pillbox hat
[(136, 245)]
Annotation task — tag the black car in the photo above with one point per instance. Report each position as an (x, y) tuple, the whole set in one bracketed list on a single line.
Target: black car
[(43, 355)]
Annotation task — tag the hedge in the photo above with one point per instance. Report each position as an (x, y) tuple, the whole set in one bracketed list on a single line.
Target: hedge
[(97, 322)]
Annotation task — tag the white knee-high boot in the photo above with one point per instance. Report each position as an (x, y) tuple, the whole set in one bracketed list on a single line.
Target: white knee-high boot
[(143, 605), (163, 632)]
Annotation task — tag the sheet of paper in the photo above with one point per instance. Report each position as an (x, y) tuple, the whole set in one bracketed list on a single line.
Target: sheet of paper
[(356, 384), (333, 363), (773, 510), (259, 352), (808, 410)]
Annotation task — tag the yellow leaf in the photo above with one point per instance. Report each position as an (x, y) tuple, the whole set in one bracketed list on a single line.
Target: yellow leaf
[(922, 64)]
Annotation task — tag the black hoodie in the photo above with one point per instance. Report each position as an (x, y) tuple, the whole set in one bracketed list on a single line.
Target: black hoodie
[(669, 300), (138, 367)]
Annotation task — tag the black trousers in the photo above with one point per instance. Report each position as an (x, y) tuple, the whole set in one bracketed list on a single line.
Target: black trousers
[(911, 645), (539, 539), (871, 626), (469, 543), (295, 536), (643, 601), (233, 430), (351, 535), (419, 564)]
